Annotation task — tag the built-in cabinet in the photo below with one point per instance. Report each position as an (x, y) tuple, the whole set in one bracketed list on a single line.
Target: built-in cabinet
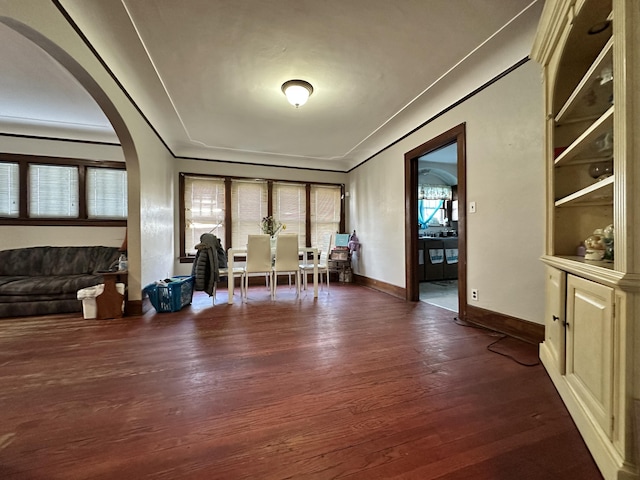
[(437, 259), (589, 356), (555, 318), (421, 259), (591, 64)]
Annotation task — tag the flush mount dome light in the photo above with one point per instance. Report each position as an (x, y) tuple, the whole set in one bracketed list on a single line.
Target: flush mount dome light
[(297, 92)]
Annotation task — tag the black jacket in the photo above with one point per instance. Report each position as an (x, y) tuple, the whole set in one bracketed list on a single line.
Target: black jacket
[(207, 263)]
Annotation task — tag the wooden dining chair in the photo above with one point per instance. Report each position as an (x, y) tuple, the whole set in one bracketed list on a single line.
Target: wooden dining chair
[(258, 259), (287, 261)]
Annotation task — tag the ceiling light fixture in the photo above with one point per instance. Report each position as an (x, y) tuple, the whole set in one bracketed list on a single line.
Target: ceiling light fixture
[(297, 92)]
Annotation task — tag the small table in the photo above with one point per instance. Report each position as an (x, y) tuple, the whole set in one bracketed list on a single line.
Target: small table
[(109, 302)]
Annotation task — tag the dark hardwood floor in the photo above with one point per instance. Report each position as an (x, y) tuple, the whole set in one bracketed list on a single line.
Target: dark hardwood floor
[(356, 384)]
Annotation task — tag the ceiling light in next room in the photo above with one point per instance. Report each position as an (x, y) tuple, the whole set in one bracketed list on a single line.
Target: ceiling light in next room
[(297, 92)]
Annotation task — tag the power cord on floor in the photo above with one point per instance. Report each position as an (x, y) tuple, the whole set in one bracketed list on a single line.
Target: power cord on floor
[(464, 323), (509, 356)]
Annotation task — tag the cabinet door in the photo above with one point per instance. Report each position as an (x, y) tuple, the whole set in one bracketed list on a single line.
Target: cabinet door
[(421, 253), (589, 347), (434, 260), (554, 323)]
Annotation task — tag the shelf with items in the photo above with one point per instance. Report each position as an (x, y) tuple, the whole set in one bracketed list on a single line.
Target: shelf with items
[(594, 93), (608, 264), (587, 178), (599, 193), (572, 226), (593, 144), (340, 262), (582, 176)]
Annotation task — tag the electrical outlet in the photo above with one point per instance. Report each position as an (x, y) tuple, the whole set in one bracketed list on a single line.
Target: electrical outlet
[(474, 294)]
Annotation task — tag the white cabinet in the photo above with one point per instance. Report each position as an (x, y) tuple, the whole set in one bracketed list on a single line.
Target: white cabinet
[(589, 340), (554, 328), (589, 51), (584, 356)]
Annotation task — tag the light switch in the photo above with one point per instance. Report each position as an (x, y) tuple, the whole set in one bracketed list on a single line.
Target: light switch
[(472, 207)]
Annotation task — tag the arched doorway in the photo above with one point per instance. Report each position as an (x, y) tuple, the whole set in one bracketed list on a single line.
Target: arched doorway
[(121, 129)]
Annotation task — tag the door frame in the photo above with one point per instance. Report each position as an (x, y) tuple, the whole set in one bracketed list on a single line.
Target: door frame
[(456, 135)]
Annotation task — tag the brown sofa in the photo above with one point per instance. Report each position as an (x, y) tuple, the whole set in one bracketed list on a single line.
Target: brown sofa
[(45, 280)]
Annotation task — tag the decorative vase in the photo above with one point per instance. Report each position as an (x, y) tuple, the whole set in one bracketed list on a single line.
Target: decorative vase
[(273, 242), (601, 170)]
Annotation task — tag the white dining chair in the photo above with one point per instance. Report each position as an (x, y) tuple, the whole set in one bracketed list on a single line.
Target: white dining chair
[(236, 272), (323, 262), (258, 259), (287, 261)]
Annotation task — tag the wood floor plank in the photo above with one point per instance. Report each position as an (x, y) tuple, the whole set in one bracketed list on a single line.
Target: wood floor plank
[(355, 384)]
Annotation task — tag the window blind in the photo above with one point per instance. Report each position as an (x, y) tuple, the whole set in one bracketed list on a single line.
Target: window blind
[(53, 191), (289, 207), (204, 210), (106, 193), (9, 189), (250, 204), (325, 212)]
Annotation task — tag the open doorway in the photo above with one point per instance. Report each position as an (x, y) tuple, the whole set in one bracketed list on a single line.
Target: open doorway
[(435, 233), (438, 227)]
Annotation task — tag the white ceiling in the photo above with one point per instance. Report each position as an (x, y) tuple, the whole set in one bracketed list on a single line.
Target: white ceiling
[(207, 74), (433, 165)]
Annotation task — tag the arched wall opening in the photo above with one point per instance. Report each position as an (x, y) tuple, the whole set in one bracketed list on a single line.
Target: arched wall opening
[(122, 131)]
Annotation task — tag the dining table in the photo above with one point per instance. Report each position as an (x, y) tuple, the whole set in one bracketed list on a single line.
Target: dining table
[(242, 252)]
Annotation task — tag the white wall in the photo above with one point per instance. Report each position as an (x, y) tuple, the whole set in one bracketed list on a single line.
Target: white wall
[(505, 177), (14, 236), (60, 148)]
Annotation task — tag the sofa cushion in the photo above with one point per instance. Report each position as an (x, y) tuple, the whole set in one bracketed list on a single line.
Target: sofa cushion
[(48, 285), (65, 261), (35, 261), (103, 258), (9, 279), (77, 260), (37, 298), (21, 261)]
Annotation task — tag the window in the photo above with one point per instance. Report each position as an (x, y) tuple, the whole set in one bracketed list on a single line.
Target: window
[(106, 193), (249, 200), (60, 191), (53, 191), (9, 190), (233, 208), (204, 209), (432, 208), (289, 207), (325, 209), (431, 212)]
